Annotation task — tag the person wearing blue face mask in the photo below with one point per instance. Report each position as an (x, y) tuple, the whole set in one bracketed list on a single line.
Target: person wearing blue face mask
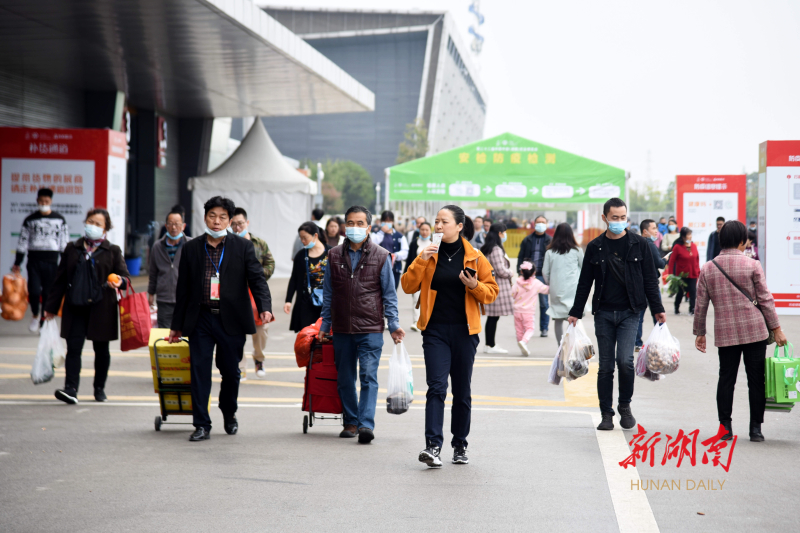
[(360, 275), (165, 258), (620, 266), (672, 235), (218, 274), (308, 273), (535, 246), (394, 242)]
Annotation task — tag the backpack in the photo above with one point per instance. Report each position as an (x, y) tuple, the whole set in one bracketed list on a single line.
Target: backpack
[(84, 289)]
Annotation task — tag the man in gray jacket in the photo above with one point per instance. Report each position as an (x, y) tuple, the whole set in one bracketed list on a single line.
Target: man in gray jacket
[(164, 260)]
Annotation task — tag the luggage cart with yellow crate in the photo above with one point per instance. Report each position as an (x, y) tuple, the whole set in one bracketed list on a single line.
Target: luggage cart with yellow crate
[(172, 376)]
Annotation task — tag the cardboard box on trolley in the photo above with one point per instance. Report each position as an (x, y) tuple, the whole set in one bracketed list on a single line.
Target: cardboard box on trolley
[(173, 362)]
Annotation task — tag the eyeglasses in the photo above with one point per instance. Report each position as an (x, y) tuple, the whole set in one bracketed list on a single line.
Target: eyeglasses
[(174, 224), (238, 224)]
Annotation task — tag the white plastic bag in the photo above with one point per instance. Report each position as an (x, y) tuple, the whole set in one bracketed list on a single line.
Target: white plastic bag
[(660, 355), (401, 381), (49, 353), (572, 358)]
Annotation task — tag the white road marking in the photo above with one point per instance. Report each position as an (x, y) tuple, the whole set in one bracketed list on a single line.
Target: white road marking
[(631, 506), (82, 410)]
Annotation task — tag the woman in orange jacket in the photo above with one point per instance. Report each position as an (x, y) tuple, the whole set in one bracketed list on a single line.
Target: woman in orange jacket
[(451, 301)]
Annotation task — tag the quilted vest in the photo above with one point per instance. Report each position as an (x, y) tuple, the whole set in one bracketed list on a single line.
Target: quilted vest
[(357, 302)]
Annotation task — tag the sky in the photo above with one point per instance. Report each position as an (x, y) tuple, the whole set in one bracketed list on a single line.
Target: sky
[(655, 88)]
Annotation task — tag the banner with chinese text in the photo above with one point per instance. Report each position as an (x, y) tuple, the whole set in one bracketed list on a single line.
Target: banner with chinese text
[(84, 168), (506, 171)]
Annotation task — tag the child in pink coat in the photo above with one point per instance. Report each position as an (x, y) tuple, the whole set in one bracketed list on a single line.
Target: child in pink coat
[(526, 293)]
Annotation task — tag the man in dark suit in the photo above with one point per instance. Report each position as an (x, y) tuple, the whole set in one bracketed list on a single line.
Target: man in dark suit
[(212, 308)]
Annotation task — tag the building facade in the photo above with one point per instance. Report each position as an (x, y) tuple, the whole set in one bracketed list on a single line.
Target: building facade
[(415, 64)]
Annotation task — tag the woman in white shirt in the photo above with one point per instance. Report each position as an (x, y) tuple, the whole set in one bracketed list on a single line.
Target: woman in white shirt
[(420, 243), (332, 232)]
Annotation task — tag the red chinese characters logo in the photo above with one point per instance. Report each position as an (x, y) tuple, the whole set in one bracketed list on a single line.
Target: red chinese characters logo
[(683, 446)]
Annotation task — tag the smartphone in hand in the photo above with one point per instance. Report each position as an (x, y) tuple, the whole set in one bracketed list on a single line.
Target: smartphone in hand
[(470, 272)]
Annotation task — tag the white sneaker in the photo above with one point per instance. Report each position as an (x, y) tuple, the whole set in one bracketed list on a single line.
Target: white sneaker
[(494, 349), (524, 349), (414, 327), (33, 327)]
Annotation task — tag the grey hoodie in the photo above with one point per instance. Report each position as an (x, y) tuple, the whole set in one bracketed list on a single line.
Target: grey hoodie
[(163, 271)]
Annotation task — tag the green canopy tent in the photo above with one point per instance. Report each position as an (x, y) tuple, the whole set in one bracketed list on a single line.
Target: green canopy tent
[(505, 172)]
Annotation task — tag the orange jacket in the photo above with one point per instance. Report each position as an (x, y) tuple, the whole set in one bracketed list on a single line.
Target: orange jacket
[(420, 273)]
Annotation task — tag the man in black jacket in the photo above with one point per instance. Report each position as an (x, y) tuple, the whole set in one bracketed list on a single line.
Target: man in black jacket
[(714, 248), (212, 308), (533, 247), (620, 264)]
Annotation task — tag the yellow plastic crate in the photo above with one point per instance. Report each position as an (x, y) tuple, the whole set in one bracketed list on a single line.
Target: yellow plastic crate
[(173, 360)]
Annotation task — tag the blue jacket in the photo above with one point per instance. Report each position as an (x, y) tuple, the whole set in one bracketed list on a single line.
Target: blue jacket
[(659, 261)]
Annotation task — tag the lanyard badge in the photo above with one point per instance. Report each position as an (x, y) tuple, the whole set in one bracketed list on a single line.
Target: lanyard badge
[(214, 293)]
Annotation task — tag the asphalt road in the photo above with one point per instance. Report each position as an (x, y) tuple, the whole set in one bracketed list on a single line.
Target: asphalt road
[(536, 461)]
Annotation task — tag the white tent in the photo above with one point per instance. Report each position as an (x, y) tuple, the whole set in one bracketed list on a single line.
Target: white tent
[(276, 196)]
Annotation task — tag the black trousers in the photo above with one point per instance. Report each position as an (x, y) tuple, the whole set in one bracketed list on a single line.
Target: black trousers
[(690, 292), (449, 351), (41, 275), (75, 340), (729, 356), (230, 348), (491, 329)]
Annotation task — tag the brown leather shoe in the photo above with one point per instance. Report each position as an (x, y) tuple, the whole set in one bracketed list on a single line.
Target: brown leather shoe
[(349, 431)]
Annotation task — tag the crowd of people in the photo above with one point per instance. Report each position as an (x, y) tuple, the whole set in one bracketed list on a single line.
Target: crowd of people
[(346, 272)]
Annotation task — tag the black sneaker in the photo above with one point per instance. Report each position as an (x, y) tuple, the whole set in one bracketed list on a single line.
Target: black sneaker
[(365, 435), (626, 419), (100, 395), (729, 434), (67, 396), (607, 423), (430, 456), (460, 456)]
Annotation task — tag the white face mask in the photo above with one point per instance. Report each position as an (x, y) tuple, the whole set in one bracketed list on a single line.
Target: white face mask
[(216, 234), (44, 209)]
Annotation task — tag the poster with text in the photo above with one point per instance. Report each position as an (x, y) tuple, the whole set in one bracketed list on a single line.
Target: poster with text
[(83, 168), (702, 199), (779, 222)]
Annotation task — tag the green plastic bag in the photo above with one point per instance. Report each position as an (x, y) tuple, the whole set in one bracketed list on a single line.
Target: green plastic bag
[(782, 385)]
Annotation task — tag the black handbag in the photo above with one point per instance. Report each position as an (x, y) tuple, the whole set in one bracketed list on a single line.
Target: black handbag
[(84, 288), (771, 337)]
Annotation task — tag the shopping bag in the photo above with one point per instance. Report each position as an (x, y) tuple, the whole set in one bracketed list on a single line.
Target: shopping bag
[(15, 297), (572, 358), (783, 376), (49, 353), (401, 381), (255, 309), (134, 319), (661, 351), (303, 342)]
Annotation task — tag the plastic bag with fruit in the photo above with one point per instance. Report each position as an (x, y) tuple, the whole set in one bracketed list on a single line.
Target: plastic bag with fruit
[(661, 351), (15, 297)]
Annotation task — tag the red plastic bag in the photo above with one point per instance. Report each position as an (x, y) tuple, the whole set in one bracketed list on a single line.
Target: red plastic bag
[(302, 344), (134, 319), (255, 309)]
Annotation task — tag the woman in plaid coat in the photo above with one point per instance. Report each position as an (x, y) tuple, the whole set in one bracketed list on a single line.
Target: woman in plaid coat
[(504, 304), (740, 329)]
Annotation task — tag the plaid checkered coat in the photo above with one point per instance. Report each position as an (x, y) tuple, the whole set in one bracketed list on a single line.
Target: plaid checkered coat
[(504, 304), (736, 319)]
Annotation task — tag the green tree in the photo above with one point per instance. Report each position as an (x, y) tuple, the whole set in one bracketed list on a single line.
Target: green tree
[(416, 143), (346, 183), (648, 197), (752, 197)]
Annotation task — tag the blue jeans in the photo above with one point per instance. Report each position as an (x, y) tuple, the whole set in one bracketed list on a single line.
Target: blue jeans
[(363, 349), (544, 305), (616, 335)]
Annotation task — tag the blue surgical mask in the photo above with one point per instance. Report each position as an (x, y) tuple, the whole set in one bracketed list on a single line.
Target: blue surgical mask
[(176, 238), (617, 227), (424, 238), (653, 238), (386, 224), (355, 235), (216, 234), (243, 233), (311, 243), (672, 227), (540, 227), (504, 238), (93, 233)]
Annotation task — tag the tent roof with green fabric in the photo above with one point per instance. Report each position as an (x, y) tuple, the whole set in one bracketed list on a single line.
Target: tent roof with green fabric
[(506, 171)]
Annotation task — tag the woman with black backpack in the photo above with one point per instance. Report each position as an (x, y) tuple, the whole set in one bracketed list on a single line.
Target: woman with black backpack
[(90, 301)]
